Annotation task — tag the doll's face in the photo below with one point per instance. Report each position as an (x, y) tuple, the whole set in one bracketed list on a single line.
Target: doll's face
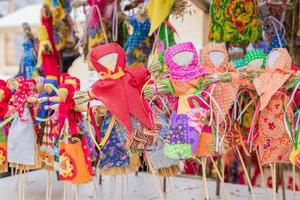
[(48, 88), (13, 84), (62, 94), (1, 95), (183, 58), (39, 87)]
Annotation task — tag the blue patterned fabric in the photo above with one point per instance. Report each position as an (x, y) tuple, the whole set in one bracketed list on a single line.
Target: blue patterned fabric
[(140, 33), (113, 154), (42, 113), (28, 60), (275, 42)]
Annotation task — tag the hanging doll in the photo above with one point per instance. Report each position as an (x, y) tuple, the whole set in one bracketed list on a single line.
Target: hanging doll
[(29, 54), (5, 112), (22, 148), (137, 46), (274, 139), (48, 57), (120, 91), (215, 60), (47, 125)]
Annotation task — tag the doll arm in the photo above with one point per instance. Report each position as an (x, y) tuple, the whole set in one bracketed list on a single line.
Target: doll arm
[(53, 107), (52, 99), (162, 87), (32, 99)]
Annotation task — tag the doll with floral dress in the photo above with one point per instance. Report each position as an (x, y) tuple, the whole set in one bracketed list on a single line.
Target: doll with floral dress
[(274, 137)]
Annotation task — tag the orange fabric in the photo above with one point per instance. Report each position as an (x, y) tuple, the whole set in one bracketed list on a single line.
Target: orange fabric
[(268, 83), (3, 157), (73, 167), (274, 142), (224, 93), (206, 144), (184, 88)]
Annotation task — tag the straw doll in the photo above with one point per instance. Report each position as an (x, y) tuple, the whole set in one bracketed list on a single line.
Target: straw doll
[(23, 151), (275, 144), (5, 112), (128, 114), (184, 75), (47, 123), (74, 162), (215, 60), (48, 57)]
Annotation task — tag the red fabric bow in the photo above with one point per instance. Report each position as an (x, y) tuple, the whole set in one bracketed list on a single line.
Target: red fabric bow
[(122, 96)]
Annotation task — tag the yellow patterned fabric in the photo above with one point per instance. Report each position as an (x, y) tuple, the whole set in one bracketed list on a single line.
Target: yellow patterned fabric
[(234, 21)]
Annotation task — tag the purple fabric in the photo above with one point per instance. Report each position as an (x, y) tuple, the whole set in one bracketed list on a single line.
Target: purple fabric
[(181, 132), (183, 73)]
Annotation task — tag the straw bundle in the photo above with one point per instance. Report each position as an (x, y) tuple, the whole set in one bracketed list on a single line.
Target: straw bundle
[(181, 8), (133, 166)]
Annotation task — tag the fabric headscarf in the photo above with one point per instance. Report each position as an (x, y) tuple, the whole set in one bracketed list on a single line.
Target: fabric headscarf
[(163, 7), (183, 73), (5, 101), (20, 97), (66, 110), (121, 90), (43, 113), (268, 83)]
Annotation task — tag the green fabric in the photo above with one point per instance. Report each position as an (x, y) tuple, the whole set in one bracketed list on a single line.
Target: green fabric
[(239, 63), (254, 55), (3, 138), (234, 21), (178, 151), (167, 83)]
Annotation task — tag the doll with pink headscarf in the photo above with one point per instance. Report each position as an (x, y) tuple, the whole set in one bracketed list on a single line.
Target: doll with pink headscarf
[(189, 130)]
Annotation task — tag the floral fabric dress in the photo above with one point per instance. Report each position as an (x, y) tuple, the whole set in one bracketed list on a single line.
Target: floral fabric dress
[(234, 21)]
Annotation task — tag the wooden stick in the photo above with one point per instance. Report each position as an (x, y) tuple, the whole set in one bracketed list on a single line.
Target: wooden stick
[(20, 185), (294, 182), (203, 161), (218, 180), (23, 185), (114, 182), (65, 191), (262, 175), (47, 187), (282, 181), (171, 188), (158, 184), (220, 177), (246, 172), (223, 175), (273, 171)]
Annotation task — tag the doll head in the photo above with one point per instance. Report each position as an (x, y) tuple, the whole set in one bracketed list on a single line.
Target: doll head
[(182, 62), (66, 93), (214, 57), (108, 60), (50, 83)]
